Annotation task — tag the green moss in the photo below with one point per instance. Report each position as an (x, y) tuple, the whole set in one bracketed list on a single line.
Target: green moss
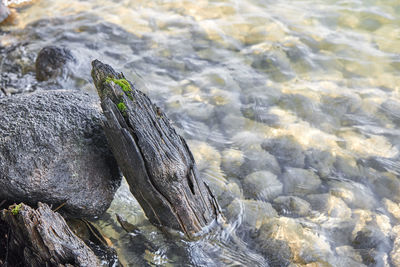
[(121, 106), (16, 209), (123, 83)]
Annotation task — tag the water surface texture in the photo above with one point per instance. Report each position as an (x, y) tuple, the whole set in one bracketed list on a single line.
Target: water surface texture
[(291, 109)]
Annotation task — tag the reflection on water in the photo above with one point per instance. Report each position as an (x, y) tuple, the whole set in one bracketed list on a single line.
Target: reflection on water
[(291, 109)]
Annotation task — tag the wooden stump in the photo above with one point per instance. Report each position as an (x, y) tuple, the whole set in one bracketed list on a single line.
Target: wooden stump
[(154, 159), (41, 237)]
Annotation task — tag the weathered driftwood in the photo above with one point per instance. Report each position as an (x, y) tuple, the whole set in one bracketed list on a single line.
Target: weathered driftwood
[(41, 237), (154, 159)]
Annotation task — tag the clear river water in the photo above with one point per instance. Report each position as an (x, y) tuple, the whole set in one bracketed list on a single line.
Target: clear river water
[(291, 109)]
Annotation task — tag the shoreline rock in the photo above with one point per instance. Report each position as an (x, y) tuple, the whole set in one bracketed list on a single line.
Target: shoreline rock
[(53, 150)]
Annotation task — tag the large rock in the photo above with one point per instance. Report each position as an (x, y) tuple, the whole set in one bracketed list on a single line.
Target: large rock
[(53, 150)]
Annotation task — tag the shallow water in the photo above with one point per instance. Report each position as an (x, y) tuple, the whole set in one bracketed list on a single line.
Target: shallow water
[(291, 109)]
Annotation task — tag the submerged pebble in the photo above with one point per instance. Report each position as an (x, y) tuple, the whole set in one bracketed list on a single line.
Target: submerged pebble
[(292, 206), (231, 191), (318, 201), (388, 185), (356, 195), (262, 185), (204, 154), (392, 207), (391, 108), (347, 166), (199, 111), (395, 253), (232, 160), (321, 161), (250, 212), (305, 246), (257, 159), (232, 124), (299, 182), (337, 208), (286, 150), (349, 256)]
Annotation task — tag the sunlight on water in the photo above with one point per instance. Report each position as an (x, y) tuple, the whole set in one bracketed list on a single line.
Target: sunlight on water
[(291, 109)]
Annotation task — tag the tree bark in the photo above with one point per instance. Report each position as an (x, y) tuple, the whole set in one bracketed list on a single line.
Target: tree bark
[(41, 237), (154, 159)]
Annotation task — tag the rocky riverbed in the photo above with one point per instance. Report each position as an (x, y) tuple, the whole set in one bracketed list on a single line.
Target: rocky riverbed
[(291, 110)]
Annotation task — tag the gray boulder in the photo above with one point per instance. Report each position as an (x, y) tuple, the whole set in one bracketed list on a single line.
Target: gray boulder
[(53, 150)]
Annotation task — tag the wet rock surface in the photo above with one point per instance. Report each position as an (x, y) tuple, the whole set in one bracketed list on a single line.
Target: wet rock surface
[(53, 150), (52, 61)]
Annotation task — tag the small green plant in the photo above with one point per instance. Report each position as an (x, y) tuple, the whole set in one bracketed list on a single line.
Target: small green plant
[(121, 106), (123, 83), (16, 209)]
